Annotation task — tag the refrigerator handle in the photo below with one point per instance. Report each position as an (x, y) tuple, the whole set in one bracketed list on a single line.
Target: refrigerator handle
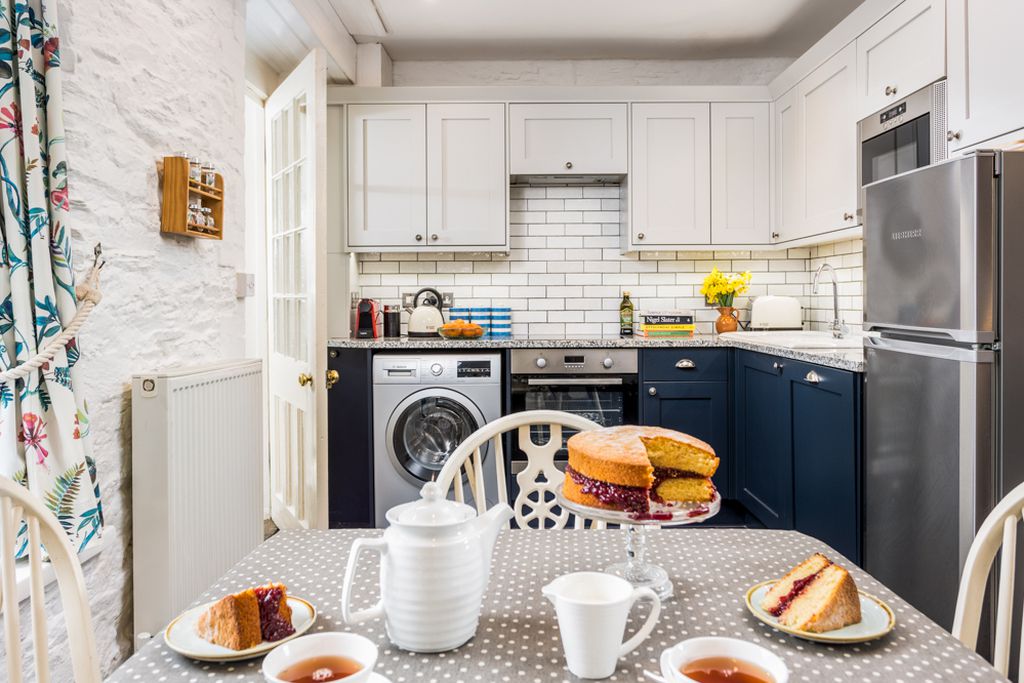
[(916, 348)]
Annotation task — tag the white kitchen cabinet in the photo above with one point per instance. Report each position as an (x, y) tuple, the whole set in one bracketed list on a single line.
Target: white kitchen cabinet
[(387, 175), (567, 139), (829, 146), (740, 173), (670, 177), (467, 182), (903, 52), (983, 44), (789, 167)]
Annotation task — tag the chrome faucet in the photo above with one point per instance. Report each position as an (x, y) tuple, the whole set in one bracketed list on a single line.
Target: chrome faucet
[(838, 327)]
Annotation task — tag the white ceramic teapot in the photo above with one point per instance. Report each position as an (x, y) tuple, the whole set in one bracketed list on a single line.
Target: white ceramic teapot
[(435, 561)]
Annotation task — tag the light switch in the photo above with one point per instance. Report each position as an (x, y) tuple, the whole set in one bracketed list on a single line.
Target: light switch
[(245, 285)]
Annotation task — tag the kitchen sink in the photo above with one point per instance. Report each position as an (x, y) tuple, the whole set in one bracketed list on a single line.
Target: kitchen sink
[(801, 340)]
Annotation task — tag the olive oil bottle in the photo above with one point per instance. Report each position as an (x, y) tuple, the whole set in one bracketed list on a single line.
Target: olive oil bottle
[(626, 316)]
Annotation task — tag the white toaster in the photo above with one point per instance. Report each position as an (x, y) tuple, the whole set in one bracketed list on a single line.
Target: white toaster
[(776, 313)]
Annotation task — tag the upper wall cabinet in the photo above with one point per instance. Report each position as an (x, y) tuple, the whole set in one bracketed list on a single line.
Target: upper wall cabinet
[(670, 183), (427, 176), (467, 181), (567, 139), (789, 167), (984, 58), (387, 183), (903, 52), (740, 173), (829, 146)]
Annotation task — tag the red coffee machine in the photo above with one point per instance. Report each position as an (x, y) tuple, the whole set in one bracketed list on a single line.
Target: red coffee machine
[(369, 320)]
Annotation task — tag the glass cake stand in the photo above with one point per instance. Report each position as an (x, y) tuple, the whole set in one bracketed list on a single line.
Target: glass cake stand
[(636, 569)]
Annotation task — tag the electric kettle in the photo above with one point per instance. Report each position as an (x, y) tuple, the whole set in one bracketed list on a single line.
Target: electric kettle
[(426, 317)]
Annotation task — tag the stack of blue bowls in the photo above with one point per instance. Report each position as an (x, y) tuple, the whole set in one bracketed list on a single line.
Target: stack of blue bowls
[(481, 315), (501, 322)]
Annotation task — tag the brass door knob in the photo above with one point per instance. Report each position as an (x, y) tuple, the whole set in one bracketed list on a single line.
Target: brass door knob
[(332, 378), (305, 378)]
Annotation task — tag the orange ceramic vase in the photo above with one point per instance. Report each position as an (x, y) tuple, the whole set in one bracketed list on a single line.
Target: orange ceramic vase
[(726, 320)]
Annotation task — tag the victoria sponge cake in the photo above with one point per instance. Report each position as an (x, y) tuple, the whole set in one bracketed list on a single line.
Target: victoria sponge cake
[(817, 595), (623, 468)]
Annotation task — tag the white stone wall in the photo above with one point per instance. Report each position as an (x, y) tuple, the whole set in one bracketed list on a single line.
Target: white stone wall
[(144, 79), (745, 71), (564, 274)]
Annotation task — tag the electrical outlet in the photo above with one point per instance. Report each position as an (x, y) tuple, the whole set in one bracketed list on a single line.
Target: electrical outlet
[(245, 285), (446, 299)]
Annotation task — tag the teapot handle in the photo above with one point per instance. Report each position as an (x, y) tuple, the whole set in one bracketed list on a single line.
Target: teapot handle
[(358, 546)]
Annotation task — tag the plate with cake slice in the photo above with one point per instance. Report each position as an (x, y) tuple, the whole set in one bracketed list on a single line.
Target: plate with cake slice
[(636, 474), (240, 626), (818, 600)]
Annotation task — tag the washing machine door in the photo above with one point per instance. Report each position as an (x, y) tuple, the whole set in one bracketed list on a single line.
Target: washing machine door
[(426, 428)]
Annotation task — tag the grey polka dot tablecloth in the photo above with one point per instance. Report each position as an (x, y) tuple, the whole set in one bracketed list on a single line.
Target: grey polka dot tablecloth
[(518, 636)]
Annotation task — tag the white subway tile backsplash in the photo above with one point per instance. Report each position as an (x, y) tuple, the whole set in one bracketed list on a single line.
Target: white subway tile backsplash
[(564, 273)]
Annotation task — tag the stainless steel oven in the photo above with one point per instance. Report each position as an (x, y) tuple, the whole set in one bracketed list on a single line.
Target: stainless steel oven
[(599, 384), (906, 135)]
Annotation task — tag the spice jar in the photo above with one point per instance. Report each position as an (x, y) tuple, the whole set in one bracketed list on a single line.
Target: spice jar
[(194, 214), (209, 174), (195, 169), (208, 218)]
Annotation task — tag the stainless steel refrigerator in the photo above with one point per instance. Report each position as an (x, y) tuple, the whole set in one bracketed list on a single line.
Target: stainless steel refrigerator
[(944, 392)]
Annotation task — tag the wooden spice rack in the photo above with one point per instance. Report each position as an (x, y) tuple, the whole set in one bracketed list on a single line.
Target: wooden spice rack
[(180, 190)]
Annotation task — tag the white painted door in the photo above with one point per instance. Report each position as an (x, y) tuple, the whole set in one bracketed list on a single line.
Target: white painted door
[(296, 250), (903, 52), (670, 181), (567, 139), (467, 181), (985, 96), (740, 173), (387, 181), (789, 167), (829, 120)]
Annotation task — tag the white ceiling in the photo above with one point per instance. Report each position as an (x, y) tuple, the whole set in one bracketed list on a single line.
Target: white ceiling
[(591, 29)]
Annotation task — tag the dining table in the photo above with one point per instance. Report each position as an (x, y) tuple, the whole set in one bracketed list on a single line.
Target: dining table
[(518, 637)]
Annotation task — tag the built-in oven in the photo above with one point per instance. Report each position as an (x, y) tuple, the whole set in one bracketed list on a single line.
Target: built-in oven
[(906, 135), (598, 384)]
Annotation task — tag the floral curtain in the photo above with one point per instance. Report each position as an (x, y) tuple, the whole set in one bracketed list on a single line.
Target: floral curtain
[(44, 428)]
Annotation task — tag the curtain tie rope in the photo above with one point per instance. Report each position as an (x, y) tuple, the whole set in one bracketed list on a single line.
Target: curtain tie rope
[(89, 296)]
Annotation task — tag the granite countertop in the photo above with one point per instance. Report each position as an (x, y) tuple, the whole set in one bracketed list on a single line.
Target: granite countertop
[(843, 359)]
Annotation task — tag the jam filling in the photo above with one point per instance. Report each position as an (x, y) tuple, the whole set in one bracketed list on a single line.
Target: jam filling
[(273, 626), (799, 586), (628, 498)]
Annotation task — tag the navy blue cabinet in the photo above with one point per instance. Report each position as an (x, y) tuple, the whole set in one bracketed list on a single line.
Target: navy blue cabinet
[(700, 409), (825, 414), (797, 447), (687, 390), (764, 464)]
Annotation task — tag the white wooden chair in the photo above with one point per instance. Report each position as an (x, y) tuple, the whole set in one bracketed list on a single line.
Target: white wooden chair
[(17, 505), (999, 530), (537, 483)]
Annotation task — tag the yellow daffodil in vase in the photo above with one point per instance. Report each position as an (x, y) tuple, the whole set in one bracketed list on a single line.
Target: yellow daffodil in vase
[(719, 290)]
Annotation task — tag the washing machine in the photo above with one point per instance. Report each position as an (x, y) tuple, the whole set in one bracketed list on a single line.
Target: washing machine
[(424, 406)]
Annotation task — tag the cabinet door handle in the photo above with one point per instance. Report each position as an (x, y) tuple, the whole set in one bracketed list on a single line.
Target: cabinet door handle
[(890, 90), (568, 164), (419, 238), (952, 135), (652, 391), (332, 378), (778, 366), (640, 236), (434, 237), (775, 235), (847, 216), (685, 364), (812, 377)]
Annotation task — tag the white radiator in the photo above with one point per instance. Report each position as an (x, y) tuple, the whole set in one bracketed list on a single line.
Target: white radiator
[(196, 482)]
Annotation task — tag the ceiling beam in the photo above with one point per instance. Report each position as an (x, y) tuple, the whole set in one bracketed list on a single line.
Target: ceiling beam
[(332, 35)]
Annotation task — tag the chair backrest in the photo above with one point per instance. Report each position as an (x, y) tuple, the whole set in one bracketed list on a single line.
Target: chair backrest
[(19, 507), (999, 530), (537, 482)]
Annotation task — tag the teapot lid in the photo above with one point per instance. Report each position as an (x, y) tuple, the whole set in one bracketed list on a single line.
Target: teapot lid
[(430, 510)]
